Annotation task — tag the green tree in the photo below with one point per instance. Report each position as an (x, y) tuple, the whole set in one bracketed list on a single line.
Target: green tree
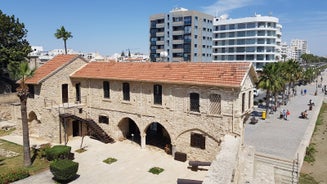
[(292, 71), (14, 48), (271, 80), (63, 34), (22, 92)]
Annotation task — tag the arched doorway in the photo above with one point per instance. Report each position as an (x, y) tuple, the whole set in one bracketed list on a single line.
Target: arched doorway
[(130, 130), (157, 135)]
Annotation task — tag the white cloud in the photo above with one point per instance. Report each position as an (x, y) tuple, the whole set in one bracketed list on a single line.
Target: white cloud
[(223, 6)]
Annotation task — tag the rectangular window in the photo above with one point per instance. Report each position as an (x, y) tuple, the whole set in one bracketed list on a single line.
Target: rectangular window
[(215, 104), (106, 89), (126, 95), (198, 141), (30, 91), (103, 119), (250, 96), (157, 94), (243, 102), (194, 102)]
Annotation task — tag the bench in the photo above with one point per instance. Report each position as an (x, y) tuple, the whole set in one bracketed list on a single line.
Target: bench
[(188, 181), (195, 164)]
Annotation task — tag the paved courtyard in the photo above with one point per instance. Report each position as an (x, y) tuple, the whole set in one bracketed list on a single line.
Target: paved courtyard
[(132, 165)]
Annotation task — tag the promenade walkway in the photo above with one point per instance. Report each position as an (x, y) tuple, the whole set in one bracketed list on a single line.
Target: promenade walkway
[(286, 138)]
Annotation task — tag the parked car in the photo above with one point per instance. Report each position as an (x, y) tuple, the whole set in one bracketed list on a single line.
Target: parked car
[(255, 92)]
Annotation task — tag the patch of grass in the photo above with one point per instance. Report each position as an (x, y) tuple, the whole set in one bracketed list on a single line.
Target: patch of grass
[(81, 150), (307, 179), (6, 132), (156, 170), (320, 118), (309, 153), (109, 160), (15, 163)]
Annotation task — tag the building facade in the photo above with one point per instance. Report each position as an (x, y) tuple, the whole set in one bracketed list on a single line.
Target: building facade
[(159, 104), (297, 48), (252, 39), (181, 35)]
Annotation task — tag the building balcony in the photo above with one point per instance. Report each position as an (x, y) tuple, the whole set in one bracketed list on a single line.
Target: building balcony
[(159, 51), (161, 25), (178, 41), (177, 59), (180, 32), (160, 42), (158, 34), (180, 23), (178, 50)]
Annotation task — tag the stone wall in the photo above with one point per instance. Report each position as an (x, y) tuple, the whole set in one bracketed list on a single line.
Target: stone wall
[(47, 101), (224, 167), (8, 98)]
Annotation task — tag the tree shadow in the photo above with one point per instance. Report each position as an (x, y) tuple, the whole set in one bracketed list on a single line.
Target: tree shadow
[(66, 181)]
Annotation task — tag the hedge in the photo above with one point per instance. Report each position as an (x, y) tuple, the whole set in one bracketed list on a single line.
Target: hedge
[(58, 152), (64, 170)]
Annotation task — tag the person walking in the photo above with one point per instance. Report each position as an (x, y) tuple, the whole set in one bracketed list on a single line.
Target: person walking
[(287, 114)]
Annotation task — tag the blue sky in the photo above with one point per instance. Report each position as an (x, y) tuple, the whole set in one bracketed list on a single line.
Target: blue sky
[(110, 27)]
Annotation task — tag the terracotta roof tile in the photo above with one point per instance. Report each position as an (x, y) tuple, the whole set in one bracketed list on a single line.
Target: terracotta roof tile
[(49, 67), (229, 74)]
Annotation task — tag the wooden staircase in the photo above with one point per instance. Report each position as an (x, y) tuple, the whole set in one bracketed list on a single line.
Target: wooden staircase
[(97, 131)]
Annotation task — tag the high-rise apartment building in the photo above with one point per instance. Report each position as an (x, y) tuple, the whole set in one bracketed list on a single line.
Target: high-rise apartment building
[(181, 35), (297, 48), (254, 39)]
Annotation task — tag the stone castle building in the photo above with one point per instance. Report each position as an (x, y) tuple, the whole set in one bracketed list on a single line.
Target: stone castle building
[(179, 107)]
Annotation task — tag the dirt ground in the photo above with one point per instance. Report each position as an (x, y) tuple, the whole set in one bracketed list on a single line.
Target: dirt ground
[(318, 169)]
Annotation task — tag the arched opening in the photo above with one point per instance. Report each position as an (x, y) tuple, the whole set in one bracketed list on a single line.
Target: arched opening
[(32, 116), (130, 130), (157, 135)]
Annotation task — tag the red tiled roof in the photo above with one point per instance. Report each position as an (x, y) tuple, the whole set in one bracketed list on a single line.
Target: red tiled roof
[(214, 73), (49, 67)]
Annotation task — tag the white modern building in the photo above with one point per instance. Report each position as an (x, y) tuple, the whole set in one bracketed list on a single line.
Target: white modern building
[(181, 35), (297, 48), (254, 39)]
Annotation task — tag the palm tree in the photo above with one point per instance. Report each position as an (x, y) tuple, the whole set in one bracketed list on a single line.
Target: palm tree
[(292, 72), (22, 92), (271, 80), (63, 34)]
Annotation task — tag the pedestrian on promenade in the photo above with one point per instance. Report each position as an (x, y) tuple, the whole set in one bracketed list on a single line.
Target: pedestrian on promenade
[(301, 91), (305, 91), (287, 114), (284, 113)]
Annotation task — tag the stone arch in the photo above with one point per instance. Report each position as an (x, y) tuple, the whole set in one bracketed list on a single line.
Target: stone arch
[(129, 130), (201, 131), (157, 135)]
